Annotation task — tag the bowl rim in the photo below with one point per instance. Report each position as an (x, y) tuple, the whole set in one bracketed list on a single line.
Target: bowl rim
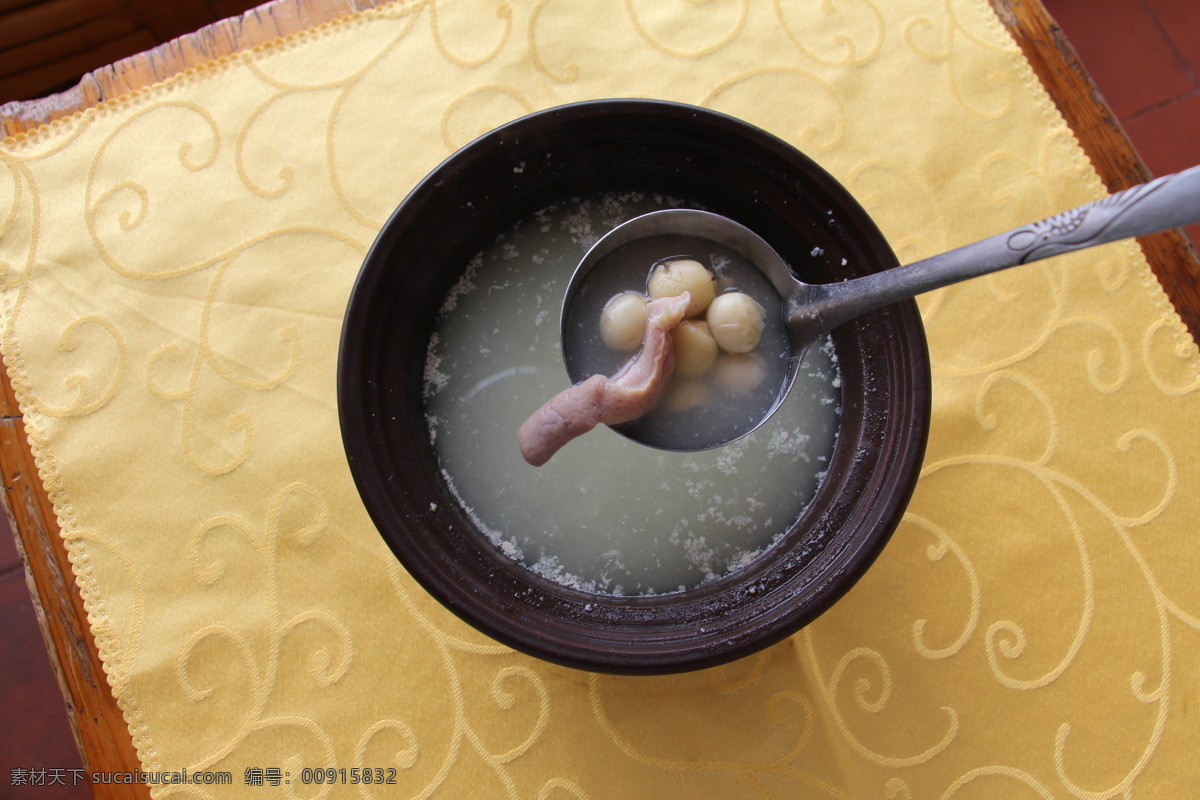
[(618, 634)]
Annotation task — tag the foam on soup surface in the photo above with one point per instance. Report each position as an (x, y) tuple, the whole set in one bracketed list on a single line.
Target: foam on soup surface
[(606, 514)]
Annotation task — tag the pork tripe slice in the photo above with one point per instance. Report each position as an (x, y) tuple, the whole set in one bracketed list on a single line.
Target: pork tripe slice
[(624, 397)]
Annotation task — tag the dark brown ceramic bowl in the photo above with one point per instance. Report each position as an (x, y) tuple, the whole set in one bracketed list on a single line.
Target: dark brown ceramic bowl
[(730, 168)]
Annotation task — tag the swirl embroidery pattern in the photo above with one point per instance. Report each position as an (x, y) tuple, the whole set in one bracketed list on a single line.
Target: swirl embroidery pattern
[(173, 271)]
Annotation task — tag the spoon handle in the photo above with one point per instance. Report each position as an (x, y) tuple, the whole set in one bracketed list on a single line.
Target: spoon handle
[(1167, 202)]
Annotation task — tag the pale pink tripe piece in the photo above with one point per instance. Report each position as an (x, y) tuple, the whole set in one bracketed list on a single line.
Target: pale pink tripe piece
[(624, 397)]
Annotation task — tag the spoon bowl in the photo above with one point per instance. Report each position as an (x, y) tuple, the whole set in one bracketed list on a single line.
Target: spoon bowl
[(665, 234)]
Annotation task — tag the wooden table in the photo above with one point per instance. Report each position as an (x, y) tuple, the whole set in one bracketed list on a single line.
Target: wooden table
[(103, 738)]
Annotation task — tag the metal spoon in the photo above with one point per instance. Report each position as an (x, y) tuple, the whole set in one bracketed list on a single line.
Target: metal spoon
[(812, 310)]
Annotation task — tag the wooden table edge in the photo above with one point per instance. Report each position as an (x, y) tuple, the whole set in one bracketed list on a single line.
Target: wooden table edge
[(98, 723)]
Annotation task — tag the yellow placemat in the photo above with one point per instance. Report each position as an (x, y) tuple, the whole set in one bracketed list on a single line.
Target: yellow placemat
[(175, 269)]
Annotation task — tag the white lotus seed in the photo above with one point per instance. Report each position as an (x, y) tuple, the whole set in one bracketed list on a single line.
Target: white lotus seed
[(695, 348), (736, 322), (623, 321), (674, 277), (684, 394), (739, 373)]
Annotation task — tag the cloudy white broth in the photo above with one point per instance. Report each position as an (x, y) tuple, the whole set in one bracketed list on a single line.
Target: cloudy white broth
[(606, 514)]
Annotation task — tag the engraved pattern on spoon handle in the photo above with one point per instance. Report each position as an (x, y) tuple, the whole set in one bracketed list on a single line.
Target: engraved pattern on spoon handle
[(1167, 202)]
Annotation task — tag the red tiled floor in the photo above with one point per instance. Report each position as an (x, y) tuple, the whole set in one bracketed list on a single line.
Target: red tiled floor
[(1181, 21), (35, 737), (1168, 137), (1124, 47)]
